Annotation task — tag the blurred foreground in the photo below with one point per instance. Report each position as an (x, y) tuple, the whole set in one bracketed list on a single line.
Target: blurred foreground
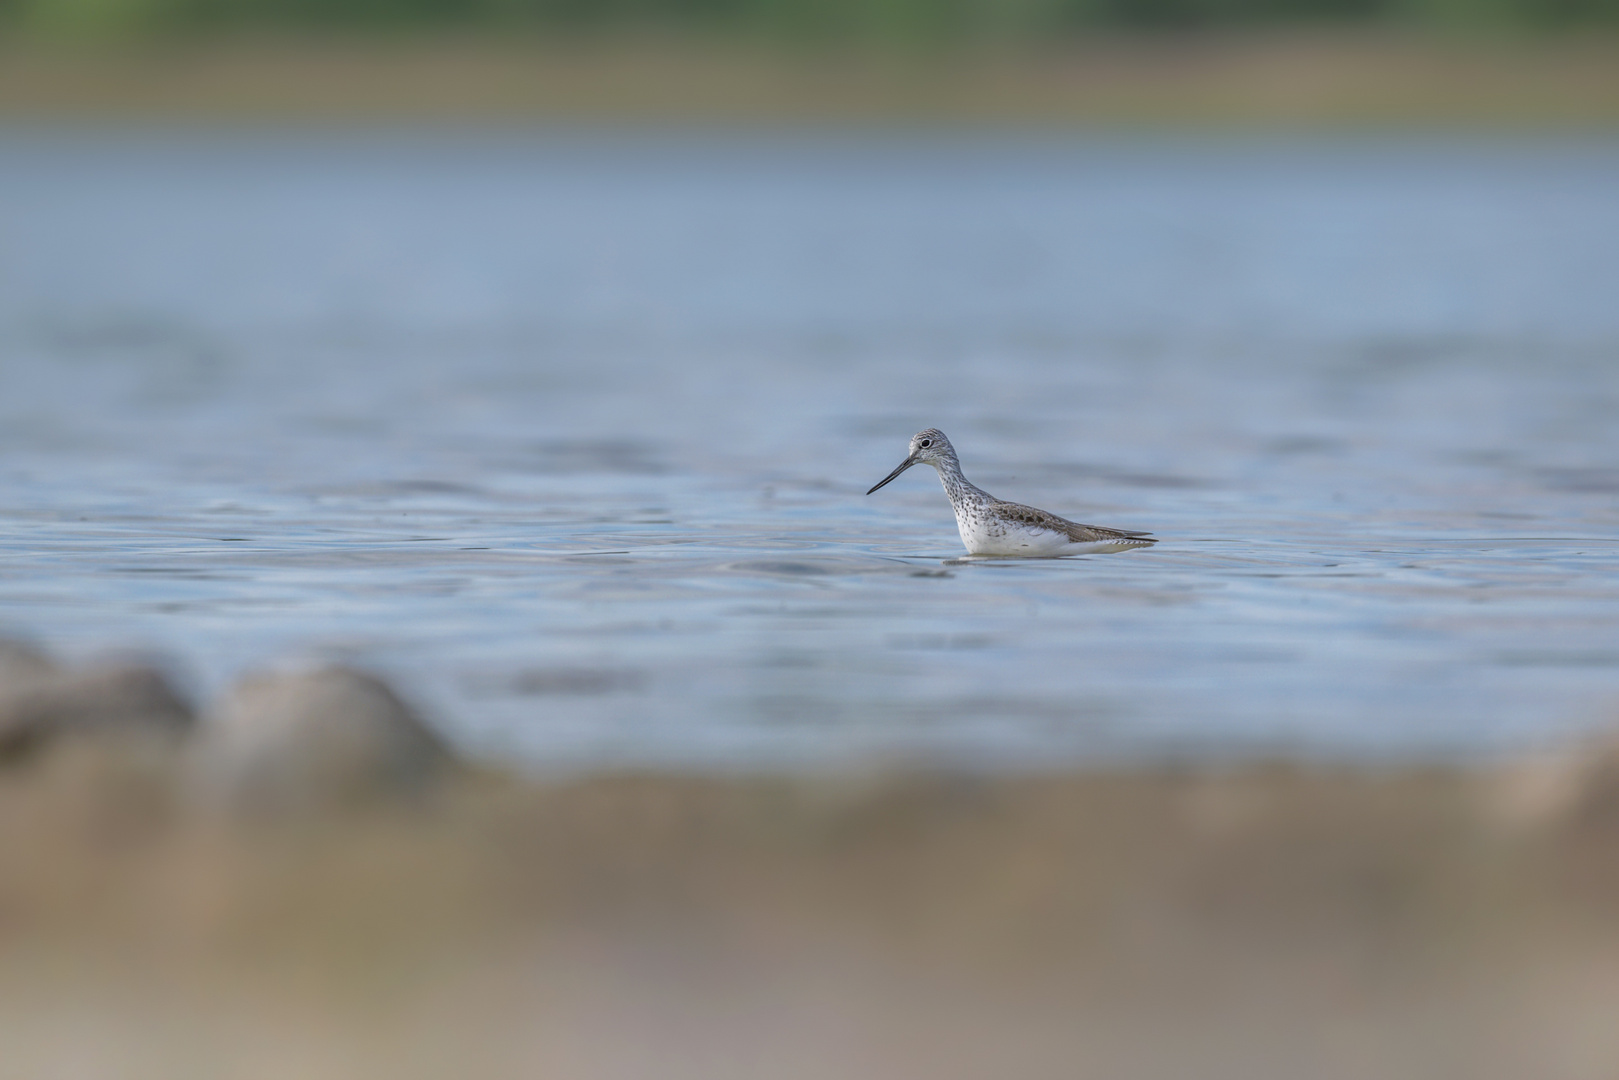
[(1265, 921)]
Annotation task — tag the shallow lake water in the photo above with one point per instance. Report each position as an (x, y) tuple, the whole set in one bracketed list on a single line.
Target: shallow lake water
[(568, 433)]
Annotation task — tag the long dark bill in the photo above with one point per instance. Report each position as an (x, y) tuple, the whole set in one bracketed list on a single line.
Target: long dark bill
[(906, 464)]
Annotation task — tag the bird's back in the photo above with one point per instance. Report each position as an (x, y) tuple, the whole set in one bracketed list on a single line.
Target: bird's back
[(1035, 518)]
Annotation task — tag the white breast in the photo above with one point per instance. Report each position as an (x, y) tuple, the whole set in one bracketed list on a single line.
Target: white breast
[(988, 535)]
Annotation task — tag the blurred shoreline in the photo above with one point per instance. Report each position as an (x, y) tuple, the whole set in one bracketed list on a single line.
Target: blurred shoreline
[(1266, 79), (1267, 920)]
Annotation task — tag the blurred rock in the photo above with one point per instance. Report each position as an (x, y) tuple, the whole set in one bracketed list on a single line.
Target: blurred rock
[(304, 740), (1584, 787), (1569, 787), (41, 702), (21, 662)]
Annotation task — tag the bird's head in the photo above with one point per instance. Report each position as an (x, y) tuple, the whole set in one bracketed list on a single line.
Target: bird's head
[(928, 447)]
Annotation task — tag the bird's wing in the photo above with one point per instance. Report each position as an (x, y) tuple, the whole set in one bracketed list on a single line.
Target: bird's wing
[(1083, 534)]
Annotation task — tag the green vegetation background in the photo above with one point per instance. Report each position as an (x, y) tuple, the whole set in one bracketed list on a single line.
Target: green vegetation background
[(906, 23)]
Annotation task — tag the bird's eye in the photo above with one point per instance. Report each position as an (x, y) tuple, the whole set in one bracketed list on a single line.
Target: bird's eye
[(926, 443)]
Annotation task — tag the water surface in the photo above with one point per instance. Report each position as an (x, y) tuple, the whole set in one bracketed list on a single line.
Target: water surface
[(569, 433)]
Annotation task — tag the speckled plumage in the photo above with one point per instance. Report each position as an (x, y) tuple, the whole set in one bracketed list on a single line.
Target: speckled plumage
[(991, 526)]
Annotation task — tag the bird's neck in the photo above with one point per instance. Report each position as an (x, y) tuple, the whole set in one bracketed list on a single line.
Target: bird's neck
[(957, 486)]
